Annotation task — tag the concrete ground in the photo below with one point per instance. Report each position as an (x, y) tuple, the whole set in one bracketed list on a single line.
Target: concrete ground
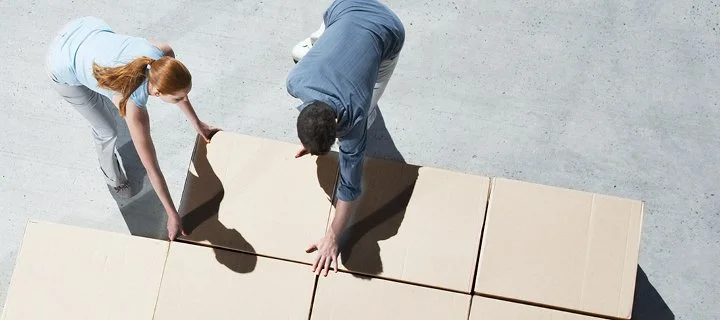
[(616, 97)]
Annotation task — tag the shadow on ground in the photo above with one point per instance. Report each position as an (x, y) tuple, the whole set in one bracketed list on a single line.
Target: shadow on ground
[(648, 304), (143, 213)]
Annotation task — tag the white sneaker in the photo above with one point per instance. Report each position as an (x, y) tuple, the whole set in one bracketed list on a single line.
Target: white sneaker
[(371, 117), (302, 48)]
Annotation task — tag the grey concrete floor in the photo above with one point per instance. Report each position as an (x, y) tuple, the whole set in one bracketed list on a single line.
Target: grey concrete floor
[(616, 97)]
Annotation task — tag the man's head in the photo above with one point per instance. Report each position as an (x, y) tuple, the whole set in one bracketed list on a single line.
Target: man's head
[(317, 127)]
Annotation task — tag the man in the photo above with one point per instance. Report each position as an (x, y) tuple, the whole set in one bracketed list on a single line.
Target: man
[(341, 72)]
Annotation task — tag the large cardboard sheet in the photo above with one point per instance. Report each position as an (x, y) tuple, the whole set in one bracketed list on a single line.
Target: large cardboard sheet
[(559, 247), (210, 283), (417, 224), (251, 194), (65, 272)]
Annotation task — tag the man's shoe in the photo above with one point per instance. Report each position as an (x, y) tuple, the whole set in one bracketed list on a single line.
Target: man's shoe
[(301, 49)]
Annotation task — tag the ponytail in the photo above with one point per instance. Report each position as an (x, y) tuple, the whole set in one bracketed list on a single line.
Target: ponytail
[(124, 79)]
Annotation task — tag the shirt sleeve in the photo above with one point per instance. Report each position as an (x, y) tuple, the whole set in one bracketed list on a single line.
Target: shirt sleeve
[(140, 95), (352, 156)]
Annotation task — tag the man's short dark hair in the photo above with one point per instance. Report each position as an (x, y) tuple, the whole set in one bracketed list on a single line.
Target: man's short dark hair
[(317, 128)]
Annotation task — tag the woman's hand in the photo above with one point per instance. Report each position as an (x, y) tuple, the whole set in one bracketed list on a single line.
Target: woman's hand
[(174, 226), (206, 131)]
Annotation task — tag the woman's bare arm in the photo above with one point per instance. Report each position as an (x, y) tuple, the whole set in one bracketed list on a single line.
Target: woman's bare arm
[(138, 122)]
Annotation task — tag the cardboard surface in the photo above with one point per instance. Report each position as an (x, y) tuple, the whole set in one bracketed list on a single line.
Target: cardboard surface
[(414, 222), (278, 205), (206, 283), (65, 272), (342, 296), (492, 309), (560, 247)]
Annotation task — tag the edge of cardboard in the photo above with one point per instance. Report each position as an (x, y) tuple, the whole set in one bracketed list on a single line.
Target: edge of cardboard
[(473, 292), (470, 285), (187, 172), (636, 257)]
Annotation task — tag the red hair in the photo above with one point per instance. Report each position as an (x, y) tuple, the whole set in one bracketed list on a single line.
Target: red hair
[(167, 75)]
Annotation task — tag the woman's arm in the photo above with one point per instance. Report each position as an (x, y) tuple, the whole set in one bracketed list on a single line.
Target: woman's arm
[(138, 122), (204, 130)]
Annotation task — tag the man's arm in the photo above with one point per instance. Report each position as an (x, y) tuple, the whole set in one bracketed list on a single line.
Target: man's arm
[(352, 154)]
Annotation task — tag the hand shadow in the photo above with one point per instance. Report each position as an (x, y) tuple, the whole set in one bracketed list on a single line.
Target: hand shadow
[(648, 304), (388, 186), (202, 197)]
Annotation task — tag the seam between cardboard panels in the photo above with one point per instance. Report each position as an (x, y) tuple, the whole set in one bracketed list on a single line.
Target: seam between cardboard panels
[(587, 252), (546, 306), (482, 234), (469, 311), (405, 282), (162, 277), (240, 251), (312, 298), (339, 270)]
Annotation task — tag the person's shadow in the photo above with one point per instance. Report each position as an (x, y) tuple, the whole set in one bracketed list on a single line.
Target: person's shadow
[(145, 216), (388, 185), (202, 196), (648, 304)]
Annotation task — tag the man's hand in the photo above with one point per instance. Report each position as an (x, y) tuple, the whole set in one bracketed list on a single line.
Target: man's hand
[(327, 249), (206, 131), (174, 226), (301, 153)]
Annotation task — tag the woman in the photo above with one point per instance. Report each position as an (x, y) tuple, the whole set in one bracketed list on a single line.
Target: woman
[(96, 70)]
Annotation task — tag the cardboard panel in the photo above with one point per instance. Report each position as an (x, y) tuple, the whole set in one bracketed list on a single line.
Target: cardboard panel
[(251, 194), (207, 283), (65, 272), (493, 309), (342, 296), (560, 247), (414, 222)]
